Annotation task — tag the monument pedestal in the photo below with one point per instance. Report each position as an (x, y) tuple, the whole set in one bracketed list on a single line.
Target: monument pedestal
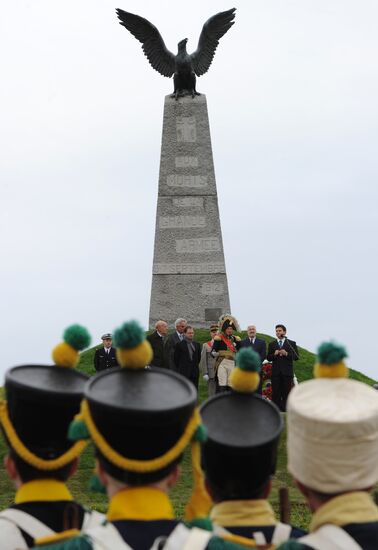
[(189, 274)]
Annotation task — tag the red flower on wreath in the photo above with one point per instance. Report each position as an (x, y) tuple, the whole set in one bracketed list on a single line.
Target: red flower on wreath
[(266, 375), (267, 392), (266, 371)]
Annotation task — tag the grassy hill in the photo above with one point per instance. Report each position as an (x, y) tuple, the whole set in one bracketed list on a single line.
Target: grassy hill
[(180, 494)]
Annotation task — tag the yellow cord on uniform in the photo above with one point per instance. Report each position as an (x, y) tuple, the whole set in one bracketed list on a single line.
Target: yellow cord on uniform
[(29, 457), (134, 465)]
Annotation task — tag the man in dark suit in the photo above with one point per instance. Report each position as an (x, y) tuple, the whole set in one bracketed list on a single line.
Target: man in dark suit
[(173, 339), (157, 341), (187, 356), (257, 344), (281, 353), (105, 357)]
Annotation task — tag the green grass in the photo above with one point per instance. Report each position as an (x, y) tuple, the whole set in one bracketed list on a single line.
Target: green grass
[(180, 494)]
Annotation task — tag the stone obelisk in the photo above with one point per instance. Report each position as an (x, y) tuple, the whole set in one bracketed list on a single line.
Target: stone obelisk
[(189, 274)]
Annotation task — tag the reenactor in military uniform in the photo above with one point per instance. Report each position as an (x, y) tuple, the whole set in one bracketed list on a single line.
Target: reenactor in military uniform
[(140, 421), (239, 458), (105, 357), (333, 455), (224, 348), (41, 402)]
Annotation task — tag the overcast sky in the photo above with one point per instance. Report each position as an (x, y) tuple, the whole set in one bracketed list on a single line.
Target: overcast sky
[(292, 98)]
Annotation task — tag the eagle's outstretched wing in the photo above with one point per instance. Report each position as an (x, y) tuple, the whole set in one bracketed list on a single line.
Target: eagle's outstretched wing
[(212, 32), (161, 59)]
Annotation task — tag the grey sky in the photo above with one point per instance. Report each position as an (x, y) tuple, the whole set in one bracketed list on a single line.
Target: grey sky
[(292, 97)]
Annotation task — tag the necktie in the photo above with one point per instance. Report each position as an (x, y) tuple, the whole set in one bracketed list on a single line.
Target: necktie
[(280, 343)]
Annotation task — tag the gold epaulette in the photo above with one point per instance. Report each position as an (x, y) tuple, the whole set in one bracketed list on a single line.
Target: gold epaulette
[(217, 338), (237, 338)]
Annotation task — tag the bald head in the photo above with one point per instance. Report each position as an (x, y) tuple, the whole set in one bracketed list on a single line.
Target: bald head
[(251, 331), (162, 327)]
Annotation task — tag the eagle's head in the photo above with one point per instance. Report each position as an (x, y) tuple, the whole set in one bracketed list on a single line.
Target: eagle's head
[(182, 44)]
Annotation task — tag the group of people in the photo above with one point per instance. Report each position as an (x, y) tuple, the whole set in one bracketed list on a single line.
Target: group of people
[(140, 420), (181, 353)]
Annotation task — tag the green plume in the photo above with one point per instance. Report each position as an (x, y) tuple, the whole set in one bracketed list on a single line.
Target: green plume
[(201, 523), (77, 336), (200, 434), (330, 353), (129, 335), (78, 430), (249, 360)]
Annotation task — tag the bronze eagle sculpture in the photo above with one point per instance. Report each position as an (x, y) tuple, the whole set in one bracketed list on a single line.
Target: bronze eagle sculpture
[(183, 67)]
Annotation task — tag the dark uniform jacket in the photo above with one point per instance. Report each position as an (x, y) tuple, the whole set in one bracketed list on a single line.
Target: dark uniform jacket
[(139, 534), (142, 534), (220, 346), (237, 517), (56, 515), (59, 516), (267, 530), (365, 535), (157, 344), (104, 360)]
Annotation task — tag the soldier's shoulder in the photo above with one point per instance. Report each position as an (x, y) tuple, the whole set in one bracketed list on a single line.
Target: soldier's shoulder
[(217, 338), (237, 338), (11, 536), (218, 543), (63, 541), (293, 545)]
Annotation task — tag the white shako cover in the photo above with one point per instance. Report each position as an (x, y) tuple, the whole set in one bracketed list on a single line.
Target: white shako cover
[(333, 435)]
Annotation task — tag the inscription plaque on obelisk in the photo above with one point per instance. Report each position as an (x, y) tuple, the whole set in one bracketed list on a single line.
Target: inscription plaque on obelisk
[(189, 274)]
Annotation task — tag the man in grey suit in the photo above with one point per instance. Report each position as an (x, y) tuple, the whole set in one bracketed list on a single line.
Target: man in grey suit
[(172, 340)]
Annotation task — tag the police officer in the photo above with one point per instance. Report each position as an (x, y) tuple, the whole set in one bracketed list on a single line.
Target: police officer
[(41, 402), (105, 357)]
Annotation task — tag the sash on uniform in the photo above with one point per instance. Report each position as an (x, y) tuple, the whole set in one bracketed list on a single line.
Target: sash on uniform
[(228, 343)]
